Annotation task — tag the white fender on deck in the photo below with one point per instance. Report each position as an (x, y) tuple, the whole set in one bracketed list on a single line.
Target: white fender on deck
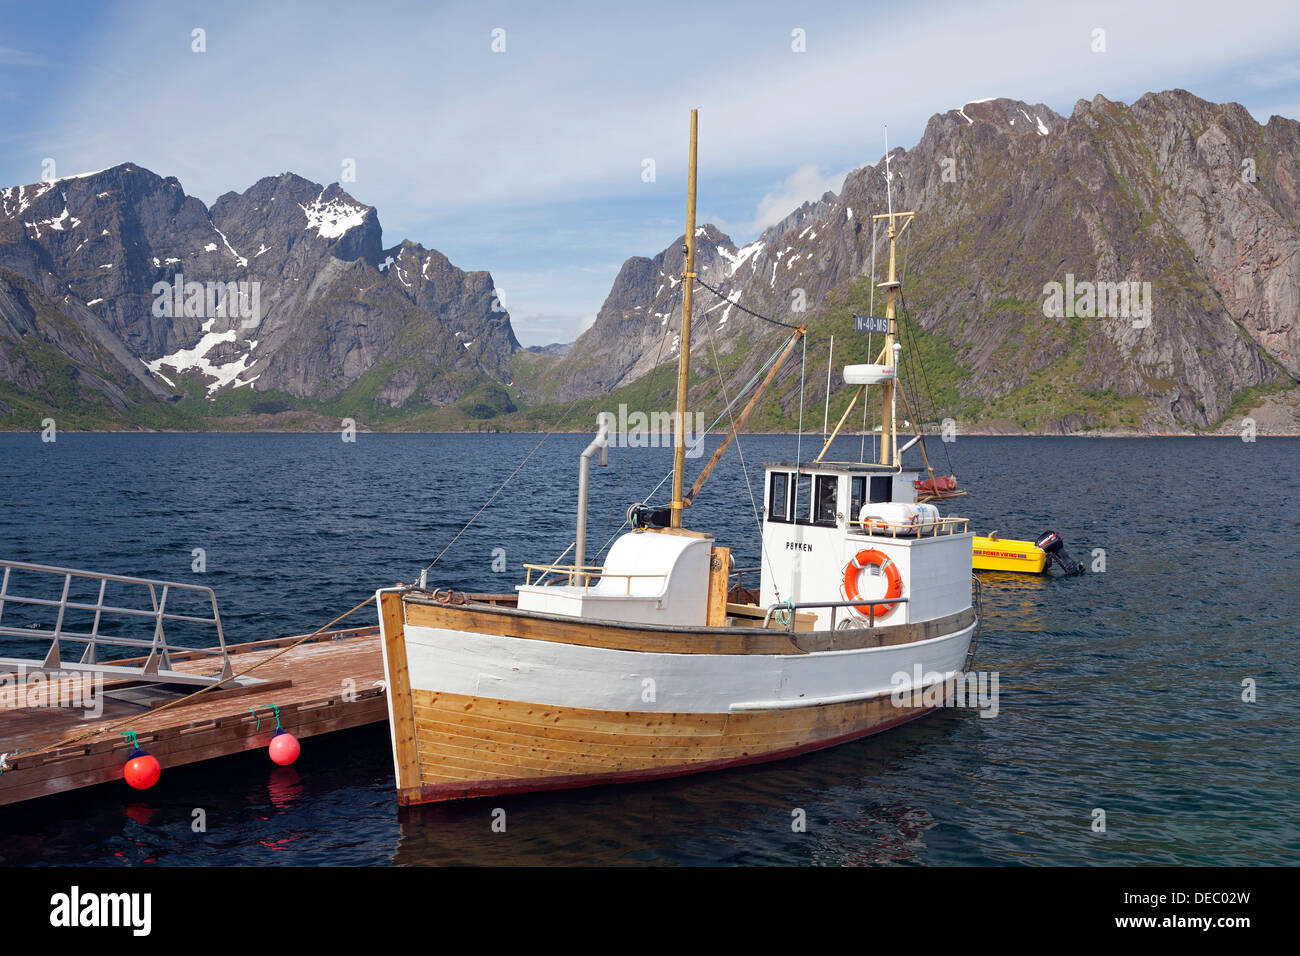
[(897, 515)]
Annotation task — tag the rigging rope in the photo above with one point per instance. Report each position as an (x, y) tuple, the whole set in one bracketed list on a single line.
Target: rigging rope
[(784, 325), (913, 346), (930, 394), (627, 452), (758, 522), (563, 418), (798, 464), (871, 307), (871, 310), (754, 379)]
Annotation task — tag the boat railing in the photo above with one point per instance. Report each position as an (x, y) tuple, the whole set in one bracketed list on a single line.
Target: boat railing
[(739, 574), (790, 607), (157, 667), (878, 527), (584, 574)]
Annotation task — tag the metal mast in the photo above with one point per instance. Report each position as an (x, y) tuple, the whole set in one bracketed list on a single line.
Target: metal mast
[(889, 354)]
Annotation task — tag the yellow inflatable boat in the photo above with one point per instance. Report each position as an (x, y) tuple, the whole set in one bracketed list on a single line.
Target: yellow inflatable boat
[(1003, 554)]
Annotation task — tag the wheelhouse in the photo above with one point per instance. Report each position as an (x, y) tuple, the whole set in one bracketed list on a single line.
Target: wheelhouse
[(830, 495), (845, 531)]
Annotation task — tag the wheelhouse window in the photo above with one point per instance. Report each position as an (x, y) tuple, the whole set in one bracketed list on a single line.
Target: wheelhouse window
[(778, 501), (882, 488), (857, 495), (802, 498), (827, 492)]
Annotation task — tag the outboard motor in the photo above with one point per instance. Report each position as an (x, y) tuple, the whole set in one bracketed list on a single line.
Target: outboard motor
[(644, 516), (1051, 543)]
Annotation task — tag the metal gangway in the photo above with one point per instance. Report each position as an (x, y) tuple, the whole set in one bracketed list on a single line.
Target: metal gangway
[(157, 667)]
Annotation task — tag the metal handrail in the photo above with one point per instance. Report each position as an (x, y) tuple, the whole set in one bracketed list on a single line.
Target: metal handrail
[(588, 572), (803, 605), (159, 591), (542, 579), (740, 574), (896, 529)]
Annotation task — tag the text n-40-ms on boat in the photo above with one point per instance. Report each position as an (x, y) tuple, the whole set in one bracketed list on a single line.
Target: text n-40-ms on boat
[(654, 664)]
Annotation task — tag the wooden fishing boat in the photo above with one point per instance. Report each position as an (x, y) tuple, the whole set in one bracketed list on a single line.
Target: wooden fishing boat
[(659, 662)]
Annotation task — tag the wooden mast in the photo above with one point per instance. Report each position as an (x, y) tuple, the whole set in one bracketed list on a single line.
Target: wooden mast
[(684, 364)]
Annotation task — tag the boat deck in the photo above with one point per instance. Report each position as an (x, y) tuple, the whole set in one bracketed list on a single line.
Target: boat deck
[(332, 682)]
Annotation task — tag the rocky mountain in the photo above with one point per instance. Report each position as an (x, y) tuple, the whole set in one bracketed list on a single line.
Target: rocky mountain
[(1125, 267), (1194, 198), (639, 324), (119, 291)]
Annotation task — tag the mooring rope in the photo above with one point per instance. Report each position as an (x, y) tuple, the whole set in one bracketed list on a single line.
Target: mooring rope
[(76, 738)]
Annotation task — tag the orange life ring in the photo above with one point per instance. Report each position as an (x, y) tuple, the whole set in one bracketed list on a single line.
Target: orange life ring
[(870, 556)]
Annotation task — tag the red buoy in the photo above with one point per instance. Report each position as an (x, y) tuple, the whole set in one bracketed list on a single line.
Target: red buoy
[(142, 770), (284, 748)]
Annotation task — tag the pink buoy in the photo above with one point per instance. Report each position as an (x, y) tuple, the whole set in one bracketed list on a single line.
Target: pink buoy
[(142, 770), (284, 748)]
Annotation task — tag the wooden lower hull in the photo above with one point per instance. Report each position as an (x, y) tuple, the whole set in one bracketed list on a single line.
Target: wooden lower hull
[(480, 747), (489, 701)]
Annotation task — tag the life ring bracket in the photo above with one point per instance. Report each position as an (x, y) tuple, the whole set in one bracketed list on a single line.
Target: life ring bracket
[(870, 557)]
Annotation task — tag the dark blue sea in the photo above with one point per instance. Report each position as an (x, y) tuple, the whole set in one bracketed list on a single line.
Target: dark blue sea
[(1121, 690)]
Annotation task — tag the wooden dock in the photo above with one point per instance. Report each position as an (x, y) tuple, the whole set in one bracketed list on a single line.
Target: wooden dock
[(332, 681)]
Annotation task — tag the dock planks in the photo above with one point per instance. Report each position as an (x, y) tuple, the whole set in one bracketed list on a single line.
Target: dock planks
[(332, 682)]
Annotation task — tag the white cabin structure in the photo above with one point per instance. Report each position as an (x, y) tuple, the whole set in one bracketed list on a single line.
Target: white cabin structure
[(648, 578), (813, 528)]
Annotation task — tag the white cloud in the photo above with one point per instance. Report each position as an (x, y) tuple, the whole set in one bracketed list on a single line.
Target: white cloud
[(443, 130), (11, 57), (1276, 75), (566, 112), (804, 184)]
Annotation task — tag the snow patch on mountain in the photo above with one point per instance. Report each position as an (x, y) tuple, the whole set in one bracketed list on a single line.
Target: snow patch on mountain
[(334, 218), (238, 258), (742, 256), (195, 360)]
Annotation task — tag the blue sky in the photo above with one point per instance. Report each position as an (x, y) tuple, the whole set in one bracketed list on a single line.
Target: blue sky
[(529, 162)]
